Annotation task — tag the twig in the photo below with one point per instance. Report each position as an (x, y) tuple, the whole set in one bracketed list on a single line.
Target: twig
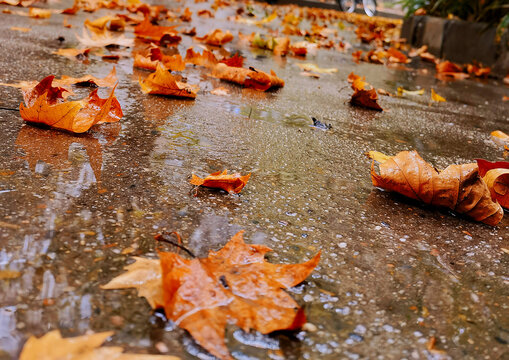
[(6, 108), (165, 237)]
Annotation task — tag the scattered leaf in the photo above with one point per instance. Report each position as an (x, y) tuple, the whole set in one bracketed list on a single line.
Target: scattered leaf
[(478, 71), (37, 13), (164, 35), (186, 15), (235, 61), (162, 82), (216, 37), (362, 97), (105, 39), (500, 138), (206, 59), (402, 92), (45, 104), (221, 180), (314, 68), (496, 177), (205, 13), (447, 69), (458, 187), (52, 346), (251, 77), (436, 97)]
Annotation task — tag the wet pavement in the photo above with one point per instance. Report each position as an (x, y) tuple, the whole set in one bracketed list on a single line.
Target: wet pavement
[(394, 274)]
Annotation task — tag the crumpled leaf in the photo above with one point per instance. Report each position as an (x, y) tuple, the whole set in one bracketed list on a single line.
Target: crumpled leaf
[(500, 137), (447, 69), (164, 35), (51, 346), (145, 276), (251, 77), (458, 187), (162, 82), (221, 180), (478, 71), (108, 22), (402, 92), (216, 37), (186, 15), (496, 177), (45, 104), (362, 97)]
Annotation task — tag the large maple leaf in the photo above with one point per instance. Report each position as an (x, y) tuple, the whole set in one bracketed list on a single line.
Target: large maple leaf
[(234, 285)]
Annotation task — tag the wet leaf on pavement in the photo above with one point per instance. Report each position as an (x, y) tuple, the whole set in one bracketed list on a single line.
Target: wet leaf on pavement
[(221, 180)]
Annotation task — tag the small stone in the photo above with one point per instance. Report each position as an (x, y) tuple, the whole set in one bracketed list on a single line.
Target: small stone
[(161, 347)]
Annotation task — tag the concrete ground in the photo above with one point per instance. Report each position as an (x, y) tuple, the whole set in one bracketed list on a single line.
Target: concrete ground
[(394, 274)]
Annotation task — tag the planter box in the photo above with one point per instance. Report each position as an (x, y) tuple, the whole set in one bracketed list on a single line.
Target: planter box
[(458, 41)]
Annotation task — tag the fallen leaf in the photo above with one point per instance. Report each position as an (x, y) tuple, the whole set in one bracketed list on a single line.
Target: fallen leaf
[(235, 60), (22, 29), (402, 92), (162, 82), (419, 51), (79, 54), (282, 46), (447, 69), (206, 59), (234, 285), (436, 97), (220, 91), (251, 77), (500, 137), (52, 346), (45, 104), (221, 180), (163, 35), (9, 274), (315, 68), (108, 81), (216, 37), (154, 55), (145, 276), (189, 32), (458, 187), (37, 13), (362, 97), (205, 13), (72, 10), (352, 77), (505, 98), (105, 39), (396, 56), (186, 15), (478, 71), (309, 74), (384, 92), (108, 22)]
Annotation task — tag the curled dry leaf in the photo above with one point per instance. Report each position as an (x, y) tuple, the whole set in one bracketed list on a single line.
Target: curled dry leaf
[(52, 346), (363, 97), (251, 77), (108, 22), (500, 137), (232, 183), (458, 187), (206, 59), (496, 177), (216, 37), (163, 83), (282, 46), (186, 15), (234, 285), (164, 35), (205, 13), (45, 104), (402, 92), (478, 71)]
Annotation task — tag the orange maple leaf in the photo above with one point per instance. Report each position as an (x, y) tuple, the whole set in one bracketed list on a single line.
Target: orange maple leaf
[(154, 55), (447, 69), (221, 180), (235, 60), (45, 104), (162, 82), (164, 35), (207, 58), (231, 286), (458, 187), (496, 177)]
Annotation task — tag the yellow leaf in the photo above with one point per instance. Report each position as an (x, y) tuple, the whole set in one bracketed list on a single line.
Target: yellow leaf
[(436, 97)]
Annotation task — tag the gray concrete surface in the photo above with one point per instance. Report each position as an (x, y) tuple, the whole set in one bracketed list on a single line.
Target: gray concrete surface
[(393, 273)]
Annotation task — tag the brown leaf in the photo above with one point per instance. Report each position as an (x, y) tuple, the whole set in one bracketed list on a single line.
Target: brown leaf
[(163, 83), (221, 180), (37, 13), (154, 55), (206, 59), (187, 15), (205, 13), (447, 69), (45, 104), (478, 71), (251, 77), (496, 177), (458, 187), (231, 286), (52, 346), (216, 37), (362, 97)]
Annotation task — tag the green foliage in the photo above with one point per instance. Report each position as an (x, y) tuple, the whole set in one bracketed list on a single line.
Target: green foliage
[(490, 11)]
